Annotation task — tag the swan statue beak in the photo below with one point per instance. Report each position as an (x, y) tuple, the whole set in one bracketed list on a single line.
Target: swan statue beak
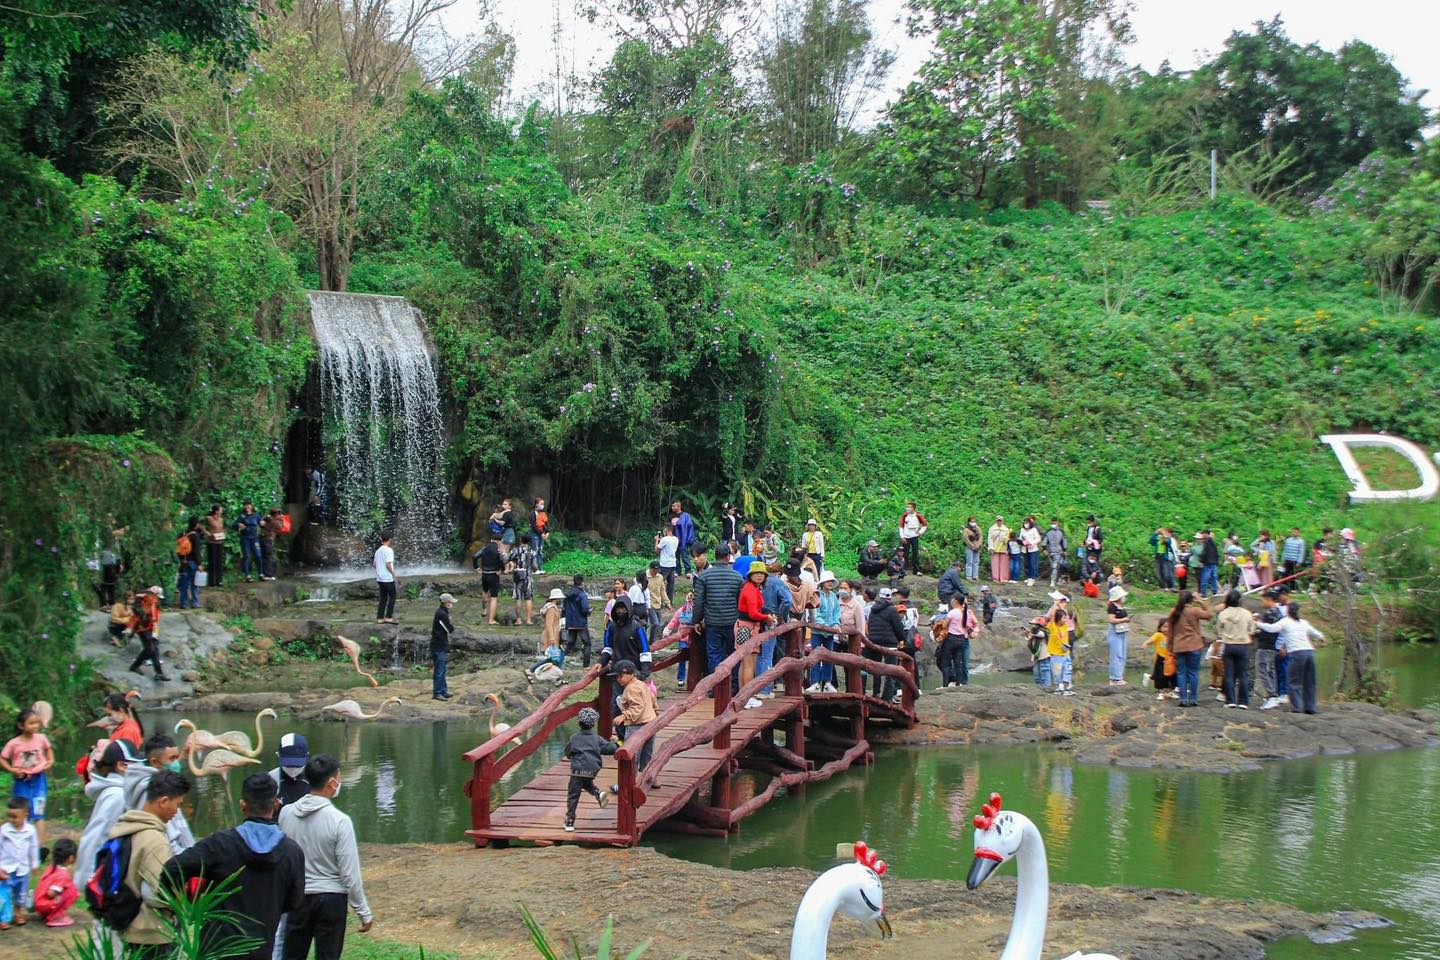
[(882, 924), (985, 863)]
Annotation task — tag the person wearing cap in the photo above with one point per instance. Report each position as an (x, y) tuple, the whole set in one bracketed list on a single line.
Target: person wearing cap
[(551, 617), (997, 539), (441, 627), (638, 707), (912, 528), (952, 581), (289, 776), (585, 751), (1118, 634), (871, 564), (106, 790), (144, 625), (814, 543), (268, 867), (1037, 637)]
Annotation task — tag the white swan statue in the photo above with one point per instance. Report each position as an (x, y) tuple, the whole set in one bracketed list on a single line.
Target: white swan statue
[(852, 889), (1003, 836)]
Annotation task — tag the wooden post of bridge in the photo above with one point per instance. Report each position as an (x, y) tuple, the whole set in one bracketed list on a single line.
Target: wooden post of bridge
[(605, 703), (855, 685), (795, 687), (625, 814), (699, 663), (478, 790)]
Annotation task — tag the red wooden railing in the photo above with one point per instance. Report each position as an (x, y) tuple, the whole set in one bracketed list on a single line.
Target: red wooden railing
[(789, 670)]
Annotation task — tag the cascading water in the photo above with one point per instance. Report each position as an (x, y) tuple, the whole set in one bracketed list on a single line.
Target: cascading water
[(380, 406)]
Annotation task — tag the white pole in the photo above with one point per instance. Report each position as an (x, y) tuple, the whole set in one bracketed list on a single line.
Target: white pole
[(1212, 174)]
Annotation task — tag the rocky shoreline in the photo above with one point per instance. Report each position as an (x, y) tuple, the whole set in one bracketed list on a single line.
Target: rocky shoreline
[(1126, 727)]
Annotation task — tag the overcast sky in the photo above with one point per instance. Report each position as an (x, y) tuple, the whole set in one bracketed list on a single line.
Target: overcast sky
[(1181, 31)]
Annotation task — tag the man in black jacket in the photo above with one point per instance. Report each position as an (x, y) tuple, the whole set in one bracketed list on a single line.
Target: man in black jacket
[(271, 869), (1209, 564), (440, 630), (717, 606), (577, 619), (886, 629)]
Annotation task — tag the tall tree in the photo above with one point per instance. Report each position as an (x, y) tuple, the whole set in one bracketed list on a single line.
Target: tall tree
[(1332, 110), (979, 99), (819, 66), (299, 127)]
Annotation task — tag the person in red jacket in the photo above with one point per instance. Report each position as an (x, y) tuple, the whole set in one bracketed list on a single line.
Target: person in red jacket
[(55, 893), (912, 528), (143, 625), (753, 619)]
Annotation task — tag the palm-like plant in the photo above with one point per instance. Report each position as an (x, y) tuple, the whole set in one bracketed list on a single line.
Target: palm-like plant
[(187, 920), (548, 951)]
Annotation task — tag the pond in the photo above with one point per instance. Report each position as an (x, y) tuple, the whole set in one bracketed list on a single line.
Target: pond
[(1330, 833)]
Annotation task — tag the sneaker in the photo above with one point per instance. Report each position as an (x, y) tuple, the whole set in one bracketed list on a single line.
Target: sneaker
[(1243, 706), (1230, 706), (895, 699), (1219, 696), (951, 685), (569, 827), (752, 703), (613, 788), (1161, 696), (1268, 704), (603, 800), (1029, 583), (829, 688), (1067, 692), (814, 688), (766, 696)]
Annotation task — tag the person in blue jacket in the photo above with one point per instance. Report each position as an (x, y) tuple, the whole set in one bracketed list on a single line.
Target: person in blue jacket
[(685, 532)]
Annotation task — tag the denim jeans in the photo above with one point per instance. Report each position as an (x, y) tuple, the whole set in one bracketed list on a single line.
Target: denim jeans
[(719, 644), (955, 660), (189, 592), (1164, 572), (1032, 565), (822, 672), (765, 659), (1041, 672), (1301, 667), (1060, 670), (972, 563), (538, 542), (1187, 673), (250, 553), (1118, 641), (1210, 579), (438, 658), (683, 556), (1282, 676), (1015, 563), (1057, 567)]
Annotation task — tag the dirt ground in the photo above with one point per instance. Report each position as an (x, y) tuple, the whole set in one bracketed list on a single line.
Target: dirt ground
[(465, 901)]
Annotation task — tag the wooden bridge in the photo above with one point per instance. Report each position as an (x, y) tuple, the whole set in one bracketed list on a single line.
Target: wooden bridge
[(703, 737)]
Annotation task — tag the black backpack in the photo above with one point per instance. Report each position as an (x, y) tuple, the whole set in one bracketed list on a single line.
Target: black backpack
[(109, 898)]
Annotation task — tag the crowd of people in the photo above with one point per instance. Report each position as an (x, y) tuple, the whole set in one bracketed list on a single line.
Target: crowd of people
[(291, 860)]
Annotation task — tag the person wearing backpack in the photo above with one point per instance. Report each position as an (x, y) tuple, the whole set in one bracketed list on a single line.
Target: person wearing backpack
[(270, 868), (106, 789), (187, 551), (143, 625), (124, 891)]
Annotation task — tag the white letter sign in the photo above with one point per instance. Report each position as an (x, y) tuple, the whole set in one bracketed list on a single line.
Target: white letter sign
[(1363, 492)]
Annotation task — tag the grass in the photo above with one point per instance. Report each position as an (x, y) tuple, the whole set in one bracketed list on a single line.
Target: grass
[(364, 947)]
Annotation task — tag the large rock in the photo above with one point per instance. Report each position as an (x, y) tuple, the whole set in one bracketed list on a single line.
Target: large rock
[(320, 546), (186, 639)]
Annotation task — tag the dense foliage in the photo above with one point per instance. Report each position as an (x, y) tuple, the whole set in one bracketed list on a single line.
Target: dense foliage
[(697, 272)]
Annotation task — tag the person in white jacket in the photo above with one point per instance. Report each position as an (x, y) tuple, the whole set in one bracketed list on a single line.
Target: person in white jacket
[(332, 867), (107, 789), (160, 754)]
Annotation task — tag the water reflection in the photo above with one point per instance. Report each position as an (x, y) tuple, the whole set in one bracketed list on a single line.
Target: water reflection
[(1361, 832)]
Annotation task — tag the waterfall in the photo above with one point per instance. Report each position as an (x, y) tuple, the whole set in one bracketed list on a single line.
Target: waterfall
[(382, 429)]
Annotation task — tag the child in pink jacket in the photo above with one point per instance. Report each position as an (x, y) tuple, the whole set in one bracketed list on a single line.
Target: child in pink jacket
[(55, 893)]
